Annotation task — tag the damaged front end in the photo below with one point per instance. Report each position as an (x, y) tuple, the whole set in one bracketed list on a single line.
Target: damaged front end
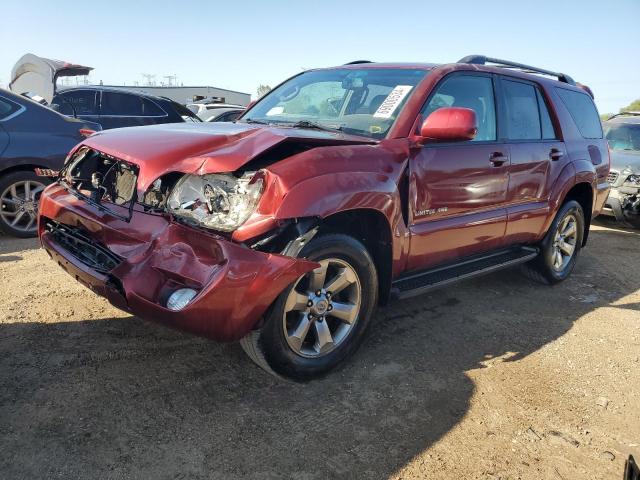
[(624, 199), (143, 255)]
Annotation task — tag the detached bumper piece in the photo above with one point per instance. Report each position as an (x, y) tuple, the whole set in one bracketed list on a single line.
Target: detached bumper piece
[(138, 266)]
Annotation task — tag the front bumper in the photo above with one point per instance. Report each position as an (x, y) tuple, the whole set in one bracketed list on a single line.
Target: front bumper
[(235, 284)]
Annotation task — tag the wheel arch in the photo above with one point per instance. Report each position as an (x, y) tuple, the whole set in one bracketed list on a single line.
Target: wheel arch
[(372, 228), (582, 193)]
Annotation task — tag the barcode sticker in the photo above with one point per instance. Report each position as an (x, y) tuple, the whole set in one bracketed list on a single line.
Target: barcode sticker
[(395, 97)]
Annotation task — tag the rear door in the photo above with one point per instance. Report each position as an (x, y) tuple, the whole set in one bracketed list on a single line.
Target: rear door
[(458, 191), (537, 155)]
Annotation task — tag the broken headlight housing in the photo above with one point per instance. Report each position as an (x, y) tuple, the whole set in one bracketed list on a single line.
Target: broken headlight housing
[(634, 179), (218, 201)]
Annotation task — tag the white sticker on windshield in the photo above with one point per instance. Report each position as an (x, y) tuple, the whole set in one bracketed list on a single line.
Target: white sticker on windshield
[(386, 109), (275, 111)]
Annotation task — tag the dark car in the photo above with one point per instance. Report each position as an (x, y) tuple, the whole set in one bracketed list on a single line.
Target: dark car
[(623, 134), (34, 141), (226, 115), (116, 107), (340, 189)]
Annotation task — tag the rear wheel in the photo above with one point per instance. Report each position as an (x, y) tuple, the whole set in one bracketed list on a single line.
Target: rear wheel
[(560, 247), (19, 196), (319, 320)]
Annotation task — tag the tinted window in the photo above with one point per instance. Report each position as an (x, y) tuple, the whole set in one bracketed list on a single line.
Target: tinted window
[(548, 132), (623, 136), (583, 112), (150, 109), (232, 116), (523, 118), (82, 102), (7, 108), (121, 104), (474, 92)]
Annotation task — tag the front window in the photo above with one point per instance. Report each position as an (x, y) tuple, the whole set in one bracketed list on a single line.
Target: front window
[(623, 136), (361, 102)]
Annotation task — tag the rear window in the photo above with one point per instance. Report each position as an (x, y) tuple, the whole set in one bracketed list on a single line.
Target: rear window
[(7, 108), (150, 109), (583, 112)]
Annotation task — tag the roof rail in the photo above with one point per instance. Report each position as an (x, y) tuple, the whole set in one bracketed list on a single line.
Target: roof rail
[(621, 114), (356, 62), (482, 60)]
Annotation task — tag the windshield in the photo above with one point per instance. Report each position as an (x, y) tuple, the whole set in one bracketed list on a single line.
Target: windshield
[(623, 136), (361, 102)]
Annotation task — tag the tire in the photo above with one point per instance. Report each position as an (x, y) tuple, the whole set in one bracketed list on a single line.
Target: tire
[(19, 195), (546, 268), (293, 341)]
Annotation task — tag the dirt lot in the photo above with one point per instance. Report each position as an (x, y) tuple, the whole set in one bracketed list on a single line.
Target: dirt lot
[(493, 378)]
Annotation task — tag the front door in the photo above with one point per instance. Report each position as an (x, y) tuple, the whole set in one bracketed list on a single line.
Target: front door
[(458, 191)]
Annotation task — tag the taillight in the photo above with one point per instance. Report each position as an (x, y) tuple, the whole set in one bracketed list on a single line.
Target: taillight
[(86, 132)]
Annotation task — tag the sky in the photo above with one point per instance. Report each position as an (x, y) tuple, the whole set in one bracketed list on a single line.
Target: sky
[(239, 44)]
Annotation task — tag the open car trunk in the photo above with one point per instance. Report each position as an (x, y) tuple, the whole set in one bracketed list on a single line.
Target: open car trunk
[(37, 75)]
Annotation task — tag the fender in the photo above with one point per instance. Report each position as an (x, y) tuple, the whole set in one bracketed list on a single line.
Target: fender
[(563, 184), (326, 181), (30, 164)]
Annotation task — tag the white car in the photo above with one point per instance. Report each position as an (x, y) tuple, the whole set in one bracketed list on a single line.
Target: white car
[(216, 112)]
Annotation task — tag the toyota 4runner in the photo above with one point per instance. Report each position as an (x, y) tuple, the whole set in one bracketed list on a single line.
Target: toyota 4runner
[(339, 190)]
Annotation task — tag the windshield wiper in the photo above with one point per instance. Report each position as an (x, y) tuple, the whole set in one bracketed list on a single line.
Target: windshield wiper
[(316, 126), (253, 120)]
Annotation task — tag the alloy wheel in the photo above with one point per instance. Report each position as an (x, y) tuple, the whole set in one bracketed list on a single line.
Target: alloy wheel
[(322, 308), (19, 205), (564, 242)]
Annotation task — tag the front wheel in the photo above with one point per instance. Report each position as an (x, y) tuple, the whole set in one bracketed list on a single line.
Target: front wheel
[(19, 196), (319, 320), (560, 247)]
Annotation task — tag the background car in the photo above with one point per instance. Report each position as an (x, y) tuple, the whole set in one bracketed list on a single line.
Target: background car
[(216, 112), (115, 107), (34, 141), (225, 115), (623, 134)]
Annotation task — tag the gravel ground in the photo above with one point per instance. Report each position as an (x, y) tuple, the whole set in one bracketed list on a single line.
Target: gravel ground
[(495, 378)]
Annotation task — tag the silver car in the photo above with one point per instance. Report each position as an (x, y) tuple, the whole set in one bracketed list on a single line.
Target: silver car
[(623, 134)]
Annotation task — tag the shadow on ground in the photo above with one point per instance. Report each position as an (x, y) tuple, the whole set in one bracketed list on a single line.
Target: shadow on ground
[(120, 398)]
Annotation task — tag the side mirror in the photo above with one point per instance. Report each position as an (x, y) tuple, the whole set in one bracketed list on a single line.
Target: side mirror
[(251, 104), (450, 124)]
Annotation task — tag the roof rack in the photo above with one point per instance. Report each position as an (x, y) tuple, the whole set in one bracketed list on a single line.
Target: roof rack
[(621, 114), (356, 62), (482, 60)]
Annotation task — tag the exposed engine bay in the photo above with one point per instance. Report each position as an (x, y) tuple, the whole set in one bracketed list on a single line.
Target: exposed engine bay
[(100, 179)]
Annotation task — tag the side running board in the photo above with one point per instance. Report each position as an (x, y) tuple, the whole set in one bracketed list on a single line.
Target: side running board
[(421, 282)]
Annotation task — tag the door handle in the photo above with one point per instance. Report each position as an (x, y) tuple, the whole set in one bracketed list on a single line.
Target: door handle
[(497, 159), (556, 154)]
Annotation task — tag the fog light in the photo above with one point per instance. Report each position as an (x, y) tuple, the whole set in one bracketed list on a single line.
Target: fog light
[(180, 298)]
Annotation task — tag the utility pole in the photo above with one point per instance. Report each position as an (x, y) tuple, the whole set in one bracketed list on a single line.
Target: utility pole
[(171, 80), (150, 79)]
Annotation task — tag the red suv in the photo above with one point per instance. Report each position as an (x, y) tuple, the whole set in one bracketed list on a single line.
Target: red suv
[(340, 189)]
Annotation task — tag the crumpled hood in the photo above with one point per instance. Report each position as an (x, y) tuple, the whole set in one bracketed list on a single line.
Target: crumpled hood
[(201, 148), (621, 159)]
